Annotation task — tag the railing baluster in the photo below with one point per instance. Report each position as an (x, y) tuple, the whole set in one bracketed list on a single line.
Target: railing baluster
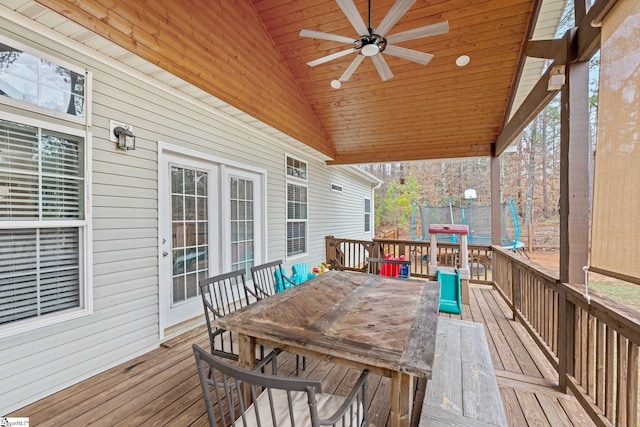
[(591, 356), (609, 373), (566, 333), (622, 367), (632, 385), (600, 364)]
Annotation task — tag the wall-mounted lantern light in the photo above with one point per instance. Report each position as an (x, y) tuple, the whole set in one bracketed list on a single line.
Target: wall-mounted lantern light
[(126, 138), (556, 78)]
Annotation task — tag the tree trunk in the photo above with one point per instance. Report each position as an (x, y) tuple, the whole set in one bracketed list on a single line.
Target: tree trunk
[(545, 193), (529, 201)]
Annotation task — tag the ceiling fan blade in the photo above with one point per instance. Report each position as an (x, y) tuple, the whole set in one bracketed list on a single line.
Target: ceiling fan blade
[(382, 67), (396, 12), (351, 68), (331, 57), (351, 12), (420, 32), (326, 36), (408, 54)]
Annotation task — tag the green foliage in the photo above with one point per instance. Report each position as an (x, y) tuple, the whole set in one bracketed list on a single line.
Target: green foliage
[(396, 206)]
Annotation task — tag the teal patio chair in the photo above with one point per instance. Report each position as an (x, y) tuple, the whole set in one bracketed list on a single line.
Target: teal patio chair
[(301, 273)]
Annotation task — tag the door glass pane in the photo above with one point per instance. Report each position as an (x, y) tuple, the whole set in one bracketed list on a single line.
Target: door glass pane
[(189, 200), (242, 236)]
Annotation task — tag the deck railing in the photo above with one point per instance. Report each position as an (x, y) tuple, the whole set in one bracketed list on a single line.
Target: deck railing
[(592, 342), (351, 254)]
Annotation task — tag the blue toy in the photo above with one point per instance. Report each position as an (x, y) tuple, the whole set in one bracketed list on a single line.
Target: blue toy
[(301, 273)]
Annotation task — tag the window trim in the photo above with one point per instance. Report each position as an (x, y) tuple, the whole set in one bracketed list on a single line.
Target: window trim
[(364, 209), (287, 221), (85, 228), (286, 166), (24, 105)]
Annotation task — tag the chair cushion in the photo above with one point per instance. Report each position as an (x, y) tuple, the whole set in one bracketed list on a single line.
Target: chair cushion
[(327, 405)]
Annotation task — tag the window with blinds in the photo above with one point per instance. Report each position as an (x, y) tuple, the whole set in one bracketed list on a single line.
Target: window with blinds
[(42, 221), (296, 219)]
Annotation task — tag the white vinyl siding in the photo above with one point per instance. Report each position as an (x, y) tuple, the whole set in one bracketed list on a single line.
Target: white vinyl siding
[(124, 211)]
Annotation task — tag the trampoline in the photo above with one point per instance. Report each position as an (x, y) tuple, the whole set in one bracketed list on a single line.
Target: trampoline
[(478, 218)]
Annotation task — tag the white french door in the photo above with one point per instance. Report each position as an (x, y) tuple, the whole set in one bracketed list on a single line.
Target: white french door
[(210, 221), (188, 227), (242, 219)]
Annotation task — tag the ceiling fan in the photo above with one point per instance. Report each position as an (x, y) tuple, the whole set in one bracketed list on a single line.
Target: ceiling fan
[(372, 42)]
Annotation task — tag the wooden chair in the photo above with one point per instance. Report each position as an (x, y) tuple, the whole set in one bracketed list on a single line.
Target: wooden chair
[(223, 294), (389, 267), (269, 279), (274, 401)]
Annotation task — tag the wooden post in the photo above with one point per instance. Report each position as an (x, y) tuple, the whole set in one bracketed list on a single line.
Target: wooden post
[(496, 199), (401, 399), (375, 249), (433, 255), (575, 150), (246, 358), (330, 252)]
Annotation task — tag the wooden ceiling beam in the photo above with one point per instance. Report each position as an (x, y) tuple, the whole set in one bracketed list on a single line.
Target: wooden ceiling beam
[(444, 152), (580, 44), (589, 29), (537, 99), (548, 49), (533, 19)]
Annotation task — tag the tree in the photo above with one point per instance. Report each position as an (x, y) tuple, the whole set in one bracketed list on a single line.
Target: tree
[(394, 209)]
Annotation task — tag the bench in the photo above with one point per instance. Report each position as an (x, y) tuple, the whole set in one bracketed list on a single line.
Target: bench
[(463, 390)]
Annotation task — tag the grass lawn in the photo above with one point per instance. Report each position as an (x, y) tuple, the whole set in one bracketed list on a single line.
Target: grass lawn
[(626, 293), (619, 290)]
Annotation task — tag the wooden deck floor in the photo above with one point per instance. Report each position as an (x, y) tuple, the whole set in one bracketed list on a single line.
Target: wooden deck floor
[(161, 387)]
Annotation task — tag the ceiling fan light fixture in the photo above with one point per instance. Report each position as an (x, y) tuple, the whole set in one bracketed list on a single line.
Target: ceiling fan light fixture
[(370, 49), (336, 84), (372, 44)]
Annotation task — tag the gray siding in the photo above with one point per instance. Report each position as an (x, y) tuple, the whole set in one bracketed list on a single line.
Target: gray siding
[(125, 224)]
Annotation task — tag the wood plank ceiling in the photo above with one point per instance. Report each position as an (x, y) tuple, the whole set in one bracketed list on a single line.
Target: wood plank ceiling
[(250, 54)]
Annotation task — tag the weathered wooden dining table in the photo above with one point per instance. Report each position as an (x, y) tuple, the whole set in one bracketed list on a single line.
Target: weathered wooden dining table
[(382, 324)]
